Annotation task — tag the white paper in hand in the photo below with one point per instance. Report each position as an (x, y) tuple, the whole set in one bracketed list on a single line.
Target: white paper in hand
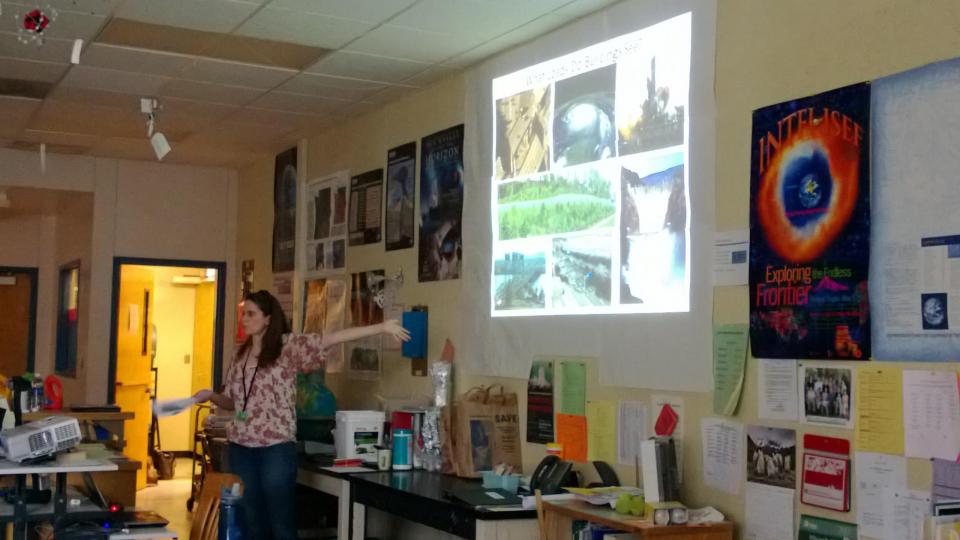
[(172, 407)]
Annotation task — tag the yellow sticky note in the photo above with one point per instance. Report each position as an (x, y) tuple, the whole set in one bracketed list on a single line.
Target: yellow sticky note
[(879, 410), (602, 431)]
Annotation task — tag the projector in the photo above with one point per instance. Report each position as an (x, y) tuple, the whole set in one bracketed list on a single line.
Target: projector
[(40, 438)]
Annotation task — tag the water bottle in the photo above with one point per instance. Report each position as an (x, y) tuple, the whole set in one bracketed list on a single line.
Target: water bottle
[(38, 397), (231, 515)]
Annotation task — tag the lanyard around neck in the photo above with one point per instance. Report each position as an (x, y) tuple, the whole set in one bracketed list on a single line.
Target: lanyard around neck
[(248, 390)]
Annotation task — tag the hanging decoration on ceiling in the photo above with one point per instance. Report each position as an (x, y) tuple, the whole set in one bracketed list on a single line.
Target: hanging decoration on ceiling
[(32, 27)]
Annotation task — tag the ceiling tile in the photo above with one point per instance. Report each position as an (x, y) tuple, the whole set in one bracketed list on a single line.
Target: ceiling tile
[(114, 81), (387, 95), (412, 44), (102, 8), (126, 148), (304, 28), (203, 110), (59, 138), (32, 71), (206, 15), (298, 103), (134, 59), (216, 93), (367, 66), (213, 155), (238, 136), (536, 28), (15, 113), (66, 25), (79, 118), (371, 11), (579, 8), (236, 74), (471, 18), (431, 75), (100, 98), (257, 116), (330, 87), (53, 50)]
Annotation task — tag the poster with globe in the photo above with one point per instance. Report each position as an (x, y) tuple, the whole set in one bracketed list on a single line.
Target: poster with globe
[(810, 227)]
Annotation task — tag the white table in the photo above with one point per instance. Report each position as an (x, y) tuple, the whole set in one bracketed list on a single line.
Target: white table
[(145, 534), (332, 481), (58, 510)]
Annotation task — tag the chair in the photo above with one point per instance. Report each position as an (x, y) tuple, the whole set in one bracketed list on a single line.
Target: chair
[(206, 513)]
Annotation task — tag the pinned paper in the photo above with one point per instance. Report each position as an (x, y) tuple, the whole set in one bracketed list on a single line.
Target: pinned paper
[(879, 410), (666, 421), (602, 431), (573, 387), (729, 360), (931, 414), (572, 434)]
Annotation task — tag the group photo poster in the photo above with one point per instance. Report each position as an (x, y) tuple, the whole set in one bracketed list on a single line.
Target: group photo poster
[(325, 232), (810, 227), (366, 307), (284, 210), (324, 308), (401, 183), (441, 204), (366, 198)]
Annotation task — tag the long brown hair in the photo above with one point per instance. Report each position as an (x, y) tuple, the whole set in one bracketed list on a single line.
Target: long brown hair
[(272, 344)]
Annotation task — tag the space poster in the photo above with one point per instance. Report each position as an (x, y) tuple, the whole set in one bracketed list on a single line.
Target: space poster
[(810, 227), (441, 204)]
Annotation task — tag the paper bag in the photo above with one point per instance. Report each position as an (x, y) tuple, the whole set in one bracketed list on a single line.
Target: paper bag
[(484, 428)]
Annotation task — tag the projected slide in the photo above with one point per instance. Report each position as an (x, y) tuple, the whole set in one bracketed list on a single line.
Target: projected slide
[(590, 190)]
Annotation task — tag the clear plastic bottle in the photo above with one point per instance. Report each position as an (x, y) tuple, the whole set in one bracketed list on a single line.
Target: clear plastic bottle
[(231, 515)]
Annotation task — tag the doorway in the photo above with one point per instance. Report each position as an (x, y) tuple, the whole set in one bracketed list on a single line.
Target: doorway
[(167, 316), (18, 324)]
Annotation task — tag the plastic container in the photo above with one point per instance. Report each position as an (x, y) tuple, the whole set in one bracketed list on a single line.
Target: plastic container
[(231, 515), (402, 449), (357, 434), (506, 482)]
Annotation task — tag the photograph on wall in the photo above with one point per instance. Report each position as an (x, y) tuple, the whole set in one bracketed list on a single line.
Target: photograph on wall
[(441, 204), (772, 456), (522, 144), (810, 227), (826, 395), (366, 196), (652, 90), (653, 230), (556, 203), (583, 118), (284, 210), (582, 270), (322, 229), (364, 358), (366, 297), (540, 402), (401, 183), (519, 276), (324, 308), (915, 256)]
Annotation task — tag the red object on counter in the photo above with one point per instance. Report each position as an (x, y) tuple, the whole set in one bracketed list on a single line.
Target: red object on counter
[(53, 391)]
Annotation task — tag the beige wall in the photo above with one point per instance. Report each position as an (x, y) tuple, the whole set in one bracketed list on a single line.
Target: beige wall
[(140, 209), (766, 52)]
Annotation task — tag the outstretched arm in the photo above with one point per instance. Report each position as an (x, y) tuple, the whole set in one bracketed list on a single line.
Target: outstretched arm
[(219, 400), (390, 328)]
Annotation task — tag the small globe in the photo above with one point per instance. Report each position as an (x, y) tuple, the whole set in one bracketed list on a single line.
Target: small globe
[(810, 192), (933, 311)]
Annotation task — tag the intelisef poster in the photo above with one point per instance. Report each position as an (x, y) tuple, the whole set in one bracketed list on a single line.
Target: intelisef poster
[(810, 227)]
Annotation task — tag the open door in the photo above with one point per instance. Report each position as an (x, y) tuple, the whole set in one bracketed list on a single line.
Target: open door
[(134, 349), (203, 343)]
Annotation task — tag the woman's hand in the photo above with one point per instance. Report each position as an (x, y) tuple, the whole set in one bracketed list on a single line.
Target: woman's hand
[(203, 396), (393, 328)]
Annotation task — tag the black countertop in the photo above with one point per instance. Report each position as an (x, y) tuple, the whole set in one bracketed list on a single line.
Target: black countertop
[(422, 496)]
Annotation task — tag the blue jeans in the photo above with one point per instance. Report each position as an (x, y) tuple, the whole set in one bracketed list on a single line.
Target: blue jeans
[(269, 476)]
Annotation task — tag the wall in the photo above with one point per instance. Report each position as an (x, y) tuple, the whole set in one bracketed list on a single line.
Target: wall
[(74, 229), (173, 317), (766, 52), (140, 209)]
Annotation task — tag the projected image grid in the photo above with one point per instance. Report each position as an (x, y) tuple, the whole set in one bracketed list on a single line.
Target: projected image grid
[(590, 180)]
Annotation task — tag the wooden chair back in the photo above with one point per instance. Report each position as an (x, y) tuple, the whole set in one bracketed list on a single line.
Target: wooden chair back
[(206, 513)]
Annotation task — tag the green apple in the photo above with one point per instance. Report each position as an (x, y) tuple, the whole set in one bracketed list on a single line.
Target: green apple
[(623, 503), (637, 505)]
